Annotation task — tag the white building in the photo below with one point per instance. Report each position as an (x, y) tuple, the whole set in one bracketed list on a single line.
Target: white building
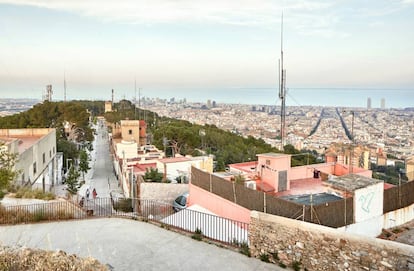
[(36, 155)]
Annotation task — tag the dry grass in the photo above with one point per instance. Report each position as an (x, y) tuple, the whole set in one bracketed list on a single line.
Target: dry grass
[(34, 213), (27, 193), (19, 259)]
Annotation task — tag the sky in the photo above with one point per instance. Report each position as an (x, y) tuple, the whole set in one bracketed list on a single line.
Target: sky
[(99, 45)]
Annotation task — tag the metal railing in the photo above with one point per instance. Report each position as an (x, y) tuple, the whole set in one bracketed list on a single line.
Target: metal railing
[(216, 228)]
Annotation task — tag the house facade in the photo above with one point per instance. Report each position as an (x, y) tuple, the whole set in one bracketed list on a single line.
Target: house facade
[(36, 155)]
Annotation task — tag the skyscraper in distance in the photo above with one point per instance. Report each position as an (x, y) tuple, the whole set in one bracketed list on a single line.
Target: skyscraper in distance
[(369, 103), (382, 103)]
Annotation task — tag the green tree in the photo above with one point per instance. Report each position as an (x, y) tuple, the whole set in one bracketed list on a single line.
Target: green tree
[(152, 175), (83, 163), (7, 172), (72, 181)]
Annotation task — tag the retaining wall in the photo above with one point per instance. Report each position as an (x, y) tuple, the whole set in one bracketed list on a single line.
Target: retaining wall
[(317, 247)]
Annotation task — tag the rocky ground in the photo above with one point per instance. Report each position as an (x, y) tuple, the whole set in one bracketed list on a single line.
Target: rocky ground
[(22, 259)]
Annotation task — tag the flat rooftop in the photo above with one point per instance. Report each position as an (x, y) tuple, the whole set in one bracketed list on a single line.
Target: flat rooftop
[(351, 182), (24, 142), (273, 154), (312, 199)]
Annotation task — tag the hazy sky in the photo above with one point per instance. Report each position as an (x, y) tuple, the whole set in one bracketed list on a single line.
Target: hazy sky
[(105, 44)]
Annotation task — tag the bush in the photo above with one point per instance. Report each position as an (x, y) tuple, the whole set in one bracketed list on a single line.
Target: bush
[(296, 265), (244, 249), (264, 257), (198, 235), (124, 205)]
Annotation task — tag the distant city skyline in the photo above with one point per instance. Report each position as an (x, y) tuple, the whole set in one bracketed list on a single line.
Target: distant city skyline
[(168, 45)]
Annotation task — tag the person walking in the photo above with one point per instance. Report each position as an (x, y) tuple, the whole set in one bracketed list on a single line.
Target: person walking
[(94, 194), (87, 194)]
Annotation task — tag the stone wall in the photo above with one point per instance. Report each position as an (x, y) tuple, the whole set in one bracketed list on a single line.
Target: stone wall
[(313, 247), (166, 192)]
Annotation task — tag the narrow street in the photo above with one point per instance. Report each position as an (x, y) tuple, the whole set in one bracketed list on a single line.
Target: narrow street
[(101, 176)]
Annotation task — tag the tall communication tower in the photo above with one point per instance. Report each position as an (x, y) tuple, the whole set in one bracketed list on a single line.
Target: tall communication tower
[(48, 93), (112, 96), (282, 93)]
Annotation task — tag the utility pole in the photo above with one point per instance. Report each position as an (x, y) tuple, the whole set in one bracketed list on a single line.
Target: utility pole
[(282, 92)]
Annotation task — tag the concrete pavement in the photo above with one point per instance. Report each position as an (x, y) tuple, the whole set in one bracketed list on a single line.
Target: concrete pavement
[(129, 245), (101, 175)]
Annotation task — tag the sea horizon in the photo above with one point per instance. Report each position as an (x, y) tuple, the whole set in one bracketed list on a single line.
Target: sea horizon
[(299, 96)]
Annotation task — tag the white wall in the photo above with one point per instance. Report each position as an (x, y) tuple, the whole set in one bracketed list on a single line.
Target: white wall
[(174, 170), (368, 202), (129, 148), (373, 227)]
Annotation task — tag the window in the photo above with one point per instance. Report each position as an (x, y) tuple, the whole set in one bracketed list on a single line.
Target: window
[(53, 150), (44, 158), (268, 162), (130, 131), (34, 168), (50, 154)]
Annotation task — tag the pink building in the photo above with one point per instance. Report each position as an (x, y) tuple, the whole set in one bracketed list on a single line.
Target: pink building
[(272, 174)]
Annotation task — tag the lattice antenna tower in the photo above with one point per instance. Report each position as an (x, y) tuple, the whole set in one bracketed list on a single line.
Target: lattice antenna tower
[(48, 93), (282, 92)]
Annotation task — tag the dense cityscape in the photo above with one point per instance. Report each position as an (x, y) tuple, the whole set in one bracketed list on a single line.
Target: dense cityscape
[(390, 129)]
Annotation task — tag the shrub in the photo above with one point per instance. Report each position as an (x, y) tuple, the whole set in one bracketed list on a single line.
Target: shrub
[(244, 249), (124, 205), (198, 235), (275, 256), (296, 265), (264, 257), (39, 215)]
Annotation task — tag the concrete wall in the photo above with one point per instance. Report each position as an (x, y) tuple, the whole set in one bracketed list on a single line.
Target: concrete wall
[(218, 205), (304, 172), (321, 248), (174, 169), (368, 202), (127, 148), (166, 192), (373, 227)]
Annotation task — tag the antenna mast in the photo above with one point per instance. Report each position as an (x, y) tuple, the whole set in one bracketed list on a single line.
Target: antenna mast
[(282, 92), (64, 85)]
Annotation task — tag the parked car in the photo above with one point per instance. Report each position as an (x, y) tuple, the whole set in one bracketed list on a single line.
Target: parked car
[(180, 202)]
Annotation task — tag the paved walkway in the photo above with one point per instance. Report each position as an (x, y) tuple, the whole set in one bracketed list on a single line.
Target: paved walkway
[(129, 245)]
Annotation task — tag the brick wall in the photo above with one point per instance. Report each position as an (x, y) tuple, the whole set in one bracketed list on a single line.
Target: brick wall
[(318, 247)]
